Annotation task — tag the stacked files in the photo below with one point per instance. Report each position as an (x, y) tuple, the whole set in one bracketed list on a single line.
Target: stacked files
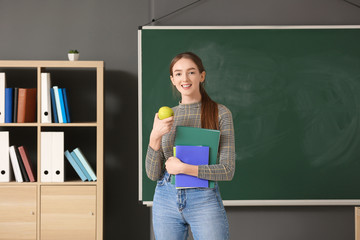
[(54, 102), (81, 165), (51, 157), (190, 136), (14, 161), (17, 105)]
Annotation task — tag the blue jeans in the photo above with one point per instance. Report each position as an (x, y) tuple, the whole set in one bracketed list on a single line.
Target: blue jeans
[(174, 210)]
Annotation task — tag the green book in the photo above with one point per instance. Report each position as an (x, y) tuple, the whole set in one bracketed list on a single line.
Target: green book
[(199, 137)]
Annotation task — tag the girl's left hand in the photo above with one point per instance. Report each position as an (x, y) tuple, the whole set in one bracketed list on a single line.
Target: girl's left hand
[(174, 166)]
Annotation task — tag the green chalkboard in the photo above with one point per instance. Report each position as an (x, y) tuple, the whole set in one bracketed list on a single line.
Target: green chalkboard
[(295, 98)]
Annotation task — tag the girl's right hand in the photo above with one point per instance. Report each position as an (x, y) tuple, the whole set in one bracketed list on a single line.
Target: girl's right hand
[(160, 128)]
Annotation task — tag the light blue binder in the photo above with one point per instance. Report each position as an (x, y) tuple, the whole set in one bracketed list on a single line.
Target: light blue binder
[(85, 163), (75, 166), (77, 160)]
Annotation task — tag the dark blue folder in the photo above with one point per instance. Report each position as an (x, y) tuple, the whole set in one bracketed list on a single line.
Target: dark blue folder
[(66, 105), (9, 93)]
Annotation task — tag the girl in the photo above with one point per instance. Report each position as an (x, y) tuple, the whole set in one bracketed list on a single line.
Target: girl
[(174, 210)]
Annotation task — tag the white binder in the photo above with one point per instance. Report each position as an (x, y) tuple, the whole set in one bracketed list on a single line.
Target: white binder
[(45, 98), (5, 174), (57, 157), (15, 164), (52, 157), (45, 156), (2, 97)]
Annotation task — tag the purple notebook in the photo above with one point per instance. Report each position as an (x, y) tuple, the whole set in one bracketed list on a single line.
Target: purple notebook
[(194, 155)]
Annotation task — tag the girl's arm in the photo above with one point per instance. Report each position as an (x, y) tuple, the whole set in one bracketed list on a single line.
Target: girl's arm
[(154, 157)]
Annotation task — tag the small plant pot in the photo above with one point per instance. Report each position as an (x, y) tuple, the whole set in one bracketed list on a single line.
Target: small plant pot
[(73, 56)]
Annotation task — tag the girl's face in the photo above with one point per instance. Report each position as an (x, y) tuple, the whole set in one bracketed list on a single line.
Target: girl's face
[(186, 77)]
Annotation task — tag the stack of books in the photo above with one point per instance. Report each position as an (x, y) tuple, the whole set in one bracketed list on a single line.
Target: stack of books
[(195, 146), (17, 105), (54, 102)]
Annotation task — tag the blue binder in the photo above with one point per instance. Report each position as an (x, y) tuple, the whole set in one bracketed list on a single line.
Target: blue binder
[(53, 104), (62, 105), (9, 93), (66, 105), (75, 166), (77, 160)]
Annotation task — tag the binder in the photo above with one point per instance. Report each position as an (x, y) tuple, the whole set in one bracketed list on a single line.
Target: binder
[(52, 158), (58, 156), (45, 156), (2, 97), (199, 137), (27, 163), (61, 98), (66, 105), (15, 164), (15, 104), (22, 166), (75, 166), (53, 105), (9, 105), (45, 98), (85, 163), (5, 174), (26, 105), (82, 167), (194, 155), (58, 106)]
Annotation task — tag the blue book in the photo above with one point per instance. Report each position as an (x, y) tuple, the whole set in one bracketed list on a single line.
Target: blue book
[(9, 93), (53, 104), (62, 105), (77, 160), (66, 105), (85, 163), (75, 166), (194, 155)]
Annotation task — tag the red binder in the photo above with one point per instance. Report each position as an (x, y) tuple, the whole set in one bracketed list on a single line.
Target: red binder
[(26, 105), (27, 164)]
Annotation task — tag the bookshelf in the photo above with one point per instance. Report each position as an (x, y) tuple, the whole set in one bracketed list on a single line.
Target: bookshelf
[(57, 210)]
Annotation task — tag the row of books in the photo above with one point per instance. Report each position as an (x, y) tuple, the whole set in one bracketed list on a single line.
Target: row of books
[(17, 105), (54, 102), (14, 161), (80, 164)]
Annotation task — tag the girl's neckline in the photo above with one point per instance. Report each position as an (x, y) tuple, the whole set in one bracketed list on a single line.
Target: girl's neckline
[(190, 105)]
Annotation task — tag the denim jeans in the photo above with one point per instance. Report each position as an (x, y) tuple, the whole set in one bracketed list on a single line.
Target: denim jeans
[(174, 210)]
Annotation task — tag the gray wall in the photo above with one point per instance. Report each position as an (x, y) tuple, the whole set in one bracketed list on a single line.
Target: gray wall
[(107, 30)]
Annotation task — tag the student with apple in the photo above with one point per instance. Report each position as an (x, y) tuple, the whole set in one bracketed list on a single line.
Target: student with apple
[(175, 210)]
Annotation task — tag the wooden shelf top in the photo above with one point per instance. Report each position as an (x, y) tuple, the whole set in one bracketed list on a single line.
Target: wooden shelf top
[(51, 63), (82, 124)]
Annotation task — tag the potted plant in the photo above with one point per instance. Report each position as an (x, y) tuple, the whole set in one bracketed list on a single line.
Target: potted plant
[(73, 55)]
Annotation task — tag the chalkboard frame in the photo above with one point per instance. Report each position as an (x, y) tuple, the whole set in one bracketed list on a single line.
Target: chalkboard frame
[(273, 202)]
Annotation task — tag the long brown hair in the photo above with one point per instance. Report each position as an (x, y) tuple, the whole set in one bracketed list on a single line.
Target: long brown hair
[(209, 108)]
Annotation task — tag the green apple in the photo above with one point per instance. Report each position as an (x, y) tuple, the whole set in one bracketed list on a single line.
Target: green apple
[(165, 112)]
